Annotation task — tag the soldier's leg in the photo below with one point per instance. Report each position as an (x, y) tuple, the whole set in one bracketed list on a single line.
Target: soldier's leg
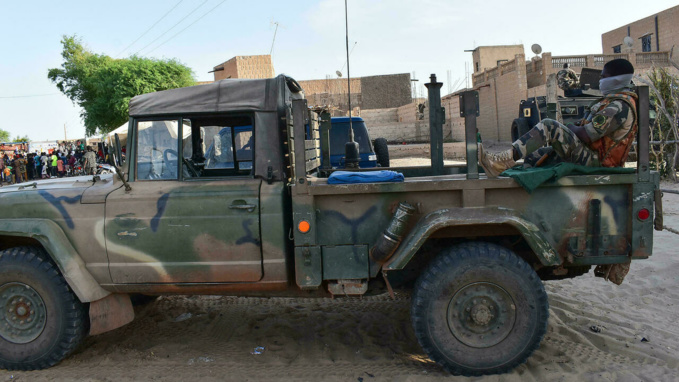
[(552, 133)]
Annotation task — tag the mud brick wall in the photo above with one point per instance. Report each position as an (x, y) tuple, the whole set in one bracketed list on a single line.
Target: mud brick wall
[(380, 92)]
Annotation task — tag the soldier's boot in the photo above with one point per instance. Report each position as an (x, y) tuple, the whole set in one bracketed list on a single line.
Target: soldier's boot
[(496, 163)]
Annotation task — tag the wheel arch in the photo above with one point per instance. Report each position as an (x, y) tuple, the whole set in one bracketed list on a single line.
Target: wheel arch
[(48, 236), (480, 221)]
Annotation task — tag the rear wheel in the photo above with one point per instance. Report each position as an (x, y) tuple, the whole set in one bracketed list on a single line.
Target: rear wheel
[(41, 320), (479, 309), (381, 152)]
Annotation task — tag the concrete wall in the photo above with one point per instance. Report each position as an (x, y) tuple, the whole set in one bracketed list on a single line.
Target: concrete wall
[(386, 91), (667, 36)]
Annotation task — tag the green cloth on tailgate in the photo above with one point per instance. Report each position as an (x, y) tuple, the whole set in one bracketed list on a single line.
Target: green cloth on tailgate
[(531, 178)]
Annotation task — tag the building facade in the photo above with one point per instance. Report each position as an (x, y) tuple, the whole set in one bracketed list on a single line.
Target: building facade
[(486, 57), (245, 67), (656, 33)]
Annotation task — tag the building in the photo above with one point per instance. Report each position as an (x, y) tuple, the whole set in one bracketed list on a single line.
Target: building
[(371, 92), (656, 33), (486, 57), (245, 67)]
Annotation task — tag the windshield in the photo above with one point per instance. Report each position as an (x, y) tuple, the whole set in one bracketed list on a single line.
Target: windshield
[(339, 135)]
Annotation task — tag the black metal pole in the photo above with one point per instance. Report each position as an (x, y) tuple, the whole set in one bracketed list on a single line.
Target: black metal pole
[(436, 117), (346, 20)]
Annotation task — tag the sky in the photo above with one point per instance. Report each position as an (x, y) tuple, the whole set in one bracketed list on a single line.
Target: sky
[(386, 37)]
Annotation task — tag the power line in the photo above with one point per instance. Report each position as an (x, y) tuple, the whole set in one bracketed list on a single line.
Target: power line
[(175, 35), (151, 27), (31, 95), (174, 26)]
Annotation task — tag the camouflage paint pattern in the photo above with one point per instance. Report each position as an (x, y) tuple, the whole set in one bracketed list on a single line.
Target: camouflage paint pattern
[(567, 79)]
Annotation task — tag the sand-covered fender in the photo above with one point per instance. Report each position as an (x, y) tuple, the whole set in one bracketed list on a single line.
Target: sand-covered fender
[(60, 249), (434, 221)]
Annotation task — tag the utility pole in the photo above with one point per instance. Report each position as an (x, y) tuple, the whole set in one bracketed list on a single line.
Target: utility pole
[(65, 136)]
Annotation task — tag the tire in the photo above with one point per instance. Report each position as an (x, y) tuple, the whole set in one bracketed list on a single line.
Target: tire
[(520, 127), (479, 309), (381, 152), (52, 322)]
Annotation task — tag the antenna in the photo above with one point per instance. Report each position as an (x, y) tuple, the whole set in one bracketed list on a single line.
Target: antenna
[(536, 48), (272, 23), (450, 82)]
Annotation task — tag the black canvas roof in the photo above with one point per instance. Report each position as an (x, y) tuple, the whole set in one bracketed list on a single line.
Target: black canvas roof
[(220, 96)]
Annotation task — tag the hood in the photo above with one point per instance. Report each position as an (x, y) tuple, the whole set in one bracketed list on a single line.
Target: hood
[(92, 190)]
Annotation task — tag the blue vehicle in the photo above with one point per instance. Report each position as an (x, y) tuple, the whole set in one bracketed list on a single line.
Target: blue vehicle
[(373, 154)]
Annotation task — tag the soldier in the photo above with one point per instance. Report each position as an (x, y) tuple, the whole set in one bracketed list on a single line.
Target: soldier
[(90, 161), (602, 138)]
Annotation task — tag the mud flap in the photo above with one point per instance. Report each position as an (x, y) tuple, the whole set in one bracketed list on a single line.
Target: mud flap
[(111, 312), (614, 273)]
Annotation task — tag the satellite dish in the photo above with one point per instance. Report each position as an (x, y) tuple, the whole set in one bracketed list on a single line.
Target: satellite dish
[(339, 74), (536, 48), (628, 41)]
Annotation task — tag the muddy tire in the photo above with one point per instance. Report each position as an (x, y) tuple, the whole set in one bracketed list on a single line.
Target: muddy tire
[(479, 309), (381, 152), (41, 321)]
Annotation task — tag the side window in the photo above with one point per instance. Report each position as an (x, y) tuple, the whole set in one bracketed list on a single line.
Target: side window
[(244, 143), (217, 147), (646, 43), (157, 145)]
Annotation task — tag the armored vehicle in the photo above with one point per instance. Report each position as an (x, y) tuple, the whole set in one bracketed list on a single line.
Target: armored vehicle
[(258, 216)]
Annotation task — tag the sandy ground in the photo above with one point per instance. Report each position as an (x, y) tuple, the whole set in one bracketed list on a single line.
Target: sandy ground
[(212, 338)]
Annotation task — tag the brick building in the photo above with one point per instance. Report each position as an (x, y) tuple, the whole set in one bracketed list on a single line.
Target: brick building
[(656, 33), (371, 92), (486, 57), (245, 67)]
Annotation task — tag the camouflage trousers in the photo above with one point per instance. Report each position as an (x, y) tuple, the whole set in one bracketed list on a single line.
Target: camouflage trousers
[(552, 134)]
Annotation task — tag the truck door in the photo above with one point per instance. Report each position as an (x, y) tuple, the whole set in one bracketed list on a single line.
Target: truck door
[(182, 222)]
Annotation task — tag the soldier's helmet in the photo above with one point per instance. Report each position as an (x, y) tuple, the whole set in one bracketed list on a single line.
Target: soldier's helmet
[(567, 79)]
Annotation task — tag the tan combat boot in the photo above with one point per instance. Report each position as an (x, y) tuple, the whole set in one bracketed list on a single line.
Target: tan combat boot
[(496, 163)]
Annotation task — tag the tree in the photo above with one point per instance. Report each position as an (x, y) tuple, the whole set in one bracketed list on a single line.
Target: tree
[(25, 138), (664, 92), (103, 86), (4, 136)]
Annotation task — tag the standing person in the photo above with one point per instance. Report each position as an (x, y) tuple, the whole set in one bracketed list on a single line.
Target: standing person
[(90, 159), (71, 163), (43, 165), (60, 166), (2, 170), (18, 173), (53, 163), (31, 166), (603, 138)]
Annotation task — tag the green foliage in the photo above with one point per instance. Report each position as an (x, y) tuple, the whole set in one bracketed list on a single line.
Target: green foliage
[(103, 86), (4, 136), (665, 99), (25, 138)]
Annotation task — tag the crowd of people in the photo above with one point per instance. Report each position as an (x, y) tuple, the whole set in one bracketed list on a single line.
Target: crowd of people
[(66, 160)]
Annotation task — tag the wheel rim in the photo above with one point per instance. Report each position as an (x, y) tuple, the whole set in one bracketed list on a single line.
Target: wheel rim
[(481, 314), (23, 314)]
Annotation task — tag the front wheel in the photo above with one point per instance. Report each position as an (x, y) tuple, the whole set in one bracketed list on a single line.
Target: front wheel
[(41, 321), (479, 309)]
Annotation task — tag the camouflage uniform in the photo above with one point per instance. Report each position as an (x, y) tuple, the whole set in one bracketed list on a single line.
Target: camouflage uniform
[(610, 117)]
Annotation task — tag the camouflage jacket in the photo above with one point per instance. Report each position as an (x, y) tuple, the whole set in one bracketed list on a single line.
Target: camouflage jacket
[(611, 126)]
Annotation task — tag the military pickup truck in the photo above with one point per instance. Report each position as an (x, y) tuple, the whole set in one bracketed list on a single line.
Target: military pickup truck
[(257, 217)]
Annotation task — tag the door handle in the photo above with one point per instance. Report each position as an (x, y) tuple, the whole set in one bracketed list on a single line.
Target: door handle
[(249, 207)]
